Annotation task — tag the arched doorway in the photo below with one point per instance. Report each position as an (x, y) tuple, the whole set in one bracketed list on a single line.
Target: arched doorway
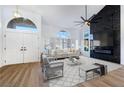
[(21, 41)]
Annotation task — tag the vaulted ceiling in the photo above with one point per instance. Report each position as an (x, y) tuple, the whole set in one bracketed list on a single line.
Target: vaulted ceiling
[(63, 15)]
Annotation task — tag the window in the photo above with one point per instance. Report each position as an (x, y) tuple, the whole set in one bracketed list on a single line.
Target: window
[(64, 39), (22, 24)]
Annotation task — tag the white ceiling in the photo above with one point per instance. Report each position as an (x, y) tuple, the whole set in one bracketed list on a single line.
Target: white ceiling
[(63, 15)]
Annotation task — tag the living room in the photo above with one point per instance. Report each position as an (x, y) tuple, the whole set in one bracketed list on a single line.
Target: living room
[(64, 45)]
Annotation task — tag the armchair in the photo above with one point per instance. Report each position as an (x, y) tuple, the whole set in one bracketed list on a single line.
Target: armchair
[(52, 69)]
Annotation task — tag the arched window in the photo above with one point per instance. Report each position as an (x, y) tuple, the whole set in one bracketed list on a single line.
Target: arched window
[(22, 24)]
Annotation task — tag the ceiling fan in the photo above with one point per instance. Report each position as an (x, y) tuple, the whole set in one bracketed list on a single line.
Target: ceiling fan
[(86, 20)]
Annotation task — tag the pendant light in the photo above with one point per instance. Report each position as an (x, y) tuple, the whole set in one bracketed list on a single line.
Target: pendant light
[(16, 13)]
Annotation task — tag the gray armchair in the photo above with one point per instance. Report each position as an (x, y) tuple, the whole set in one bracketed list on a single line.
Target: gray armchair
[(51, 68)]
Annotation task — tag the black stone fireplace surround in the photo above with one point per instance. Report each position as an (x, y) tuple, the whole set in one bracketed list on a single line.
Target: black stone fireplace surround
[(105, 27)]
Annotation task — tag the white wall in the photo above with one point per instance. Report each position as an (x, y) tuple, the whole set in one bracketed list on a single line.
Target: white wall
[(77, 35), (63, 15), (122, 34), (50, 31), (74, 33)]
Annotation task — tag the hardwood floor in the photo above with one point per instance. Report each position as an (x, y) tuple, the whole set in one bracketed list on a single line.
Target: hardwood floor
[(30, 75), (112, 79), (22, 75)]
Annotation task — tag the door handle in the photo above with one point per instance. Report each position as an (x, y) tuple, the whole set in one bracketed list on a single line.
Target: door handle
[(25, 49), (21, 49)]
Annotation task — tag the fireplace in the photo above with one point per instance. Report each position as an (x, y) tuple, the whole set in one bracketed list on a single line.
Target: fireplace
[(106, 34)]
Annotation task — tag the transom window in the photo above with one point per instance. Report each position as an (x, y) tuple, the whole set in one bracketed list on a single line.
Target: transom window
[(22, 24)]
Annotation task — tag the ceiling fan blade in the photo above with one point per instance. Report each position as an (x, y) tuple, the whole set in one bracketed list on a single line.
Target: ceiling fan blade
[(91, 17), (77, 21), (79, 24), (82, 18), (82, 25)]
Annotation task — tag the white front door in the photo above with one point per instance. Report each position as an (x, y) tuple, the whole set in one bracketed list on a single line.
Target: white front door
[(14, 44), (21, 47), (30, 47)]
